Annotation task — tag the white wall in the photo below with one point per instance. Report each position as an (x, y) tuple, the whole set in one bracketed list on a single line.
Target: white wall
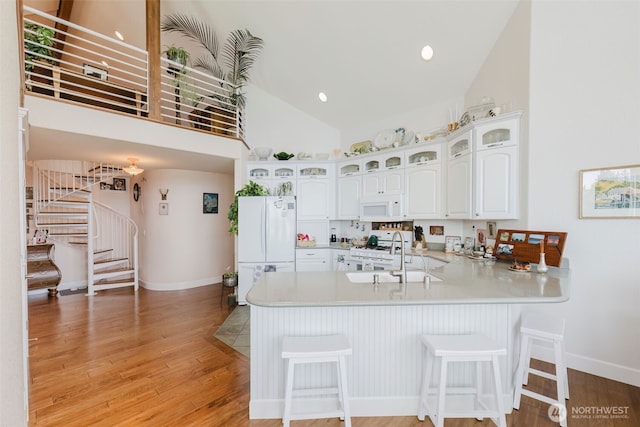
[(273, 123), (185, 248), (585, 113), (13, 399)]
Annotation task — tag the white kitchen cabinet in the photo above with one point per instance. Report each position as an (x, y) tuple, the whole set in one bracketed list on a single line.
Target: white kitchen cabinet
[(496, 170), (315, 191), (482, 170), (313, 259), (383, 162), (459, 177), (345, 264), (278, 179), (348, 188), (423, 183), (383, 183), (348, 197)]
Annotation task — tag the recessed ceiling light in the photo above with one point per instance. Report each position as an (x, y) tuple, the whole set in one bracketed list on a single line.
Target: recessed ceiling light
[(427, 53), (105, 64), (322, 96), (118, 35)]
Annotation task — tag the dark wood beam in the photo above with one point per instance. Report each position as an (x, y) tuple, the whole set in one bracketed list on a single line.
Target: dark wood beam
[(153, 49), (64, 12)]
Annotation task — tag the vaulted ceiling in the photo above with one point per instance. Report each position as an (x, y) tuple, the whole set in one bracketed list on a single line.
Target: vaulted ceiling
[(365, 55)]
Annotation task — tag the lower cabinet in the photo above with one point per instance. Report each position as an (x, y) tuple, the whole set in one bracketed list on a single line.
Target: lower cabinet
[(340, 260), (313, 259)]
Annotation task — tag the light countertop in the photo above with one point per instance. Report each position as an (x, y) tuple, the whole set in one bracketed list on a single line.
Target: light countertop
[(463, 281)]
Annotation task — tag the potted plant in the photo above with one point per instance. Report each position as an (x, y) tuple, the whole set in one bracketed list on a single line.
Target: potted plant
[(230, 279), (251, 189), (240, 51), (179, 56), (37, 42)]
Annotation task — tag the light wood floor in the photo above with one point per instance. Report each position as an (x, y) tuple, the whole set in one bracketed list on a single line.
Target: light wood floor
[(151, 359)]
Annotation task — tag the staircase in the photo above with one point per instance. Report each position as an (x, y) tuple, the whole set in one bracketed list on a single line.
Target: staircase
[(64, 206)]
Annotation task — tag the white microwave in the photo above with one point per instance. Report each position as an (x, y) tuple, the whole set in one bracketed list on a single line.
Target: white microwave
[(381, 208)]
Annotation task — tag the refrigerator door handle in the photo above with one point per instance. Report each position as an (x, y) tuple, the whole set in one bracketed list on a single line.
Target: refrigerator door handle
[(264, 229)]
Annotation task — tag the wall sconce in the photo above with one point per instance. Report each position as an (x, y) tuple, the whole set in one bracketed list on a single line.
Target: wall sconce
[(163, 193), (132, 169)]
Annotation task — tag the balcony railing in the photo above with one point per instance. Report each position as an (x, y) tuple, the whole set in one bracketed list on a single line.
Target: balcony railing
[(89, 68)]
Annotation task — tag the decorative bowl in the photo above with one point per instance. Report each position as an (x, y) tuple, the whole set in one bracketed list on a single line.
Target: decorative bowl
[(283, 155), (322, 156), (263, 153)]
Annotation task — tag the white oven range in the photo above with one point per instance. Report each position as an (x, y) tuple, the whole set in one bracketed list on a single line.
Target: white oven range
[(379, 257)]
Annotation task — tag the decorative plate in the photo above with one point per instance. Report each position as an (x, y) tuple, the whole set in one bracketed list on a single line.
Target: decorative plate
[(409, 137), (465, 119), (515, 270), (361, 147), (385, 138)]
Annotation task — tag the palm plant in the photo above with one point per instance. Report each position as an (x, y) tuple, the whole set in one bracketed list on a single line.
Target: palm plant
[(240, 52)]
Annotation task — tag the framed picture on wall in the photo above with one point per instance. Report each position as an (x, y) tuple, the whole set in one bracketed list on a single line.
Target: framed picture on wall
[(209, 203), (610, 192), (119, 184)]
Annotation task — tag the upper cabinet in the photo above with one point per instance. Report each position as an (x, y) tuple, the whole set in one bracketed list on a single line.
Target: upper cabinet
[(423, 182), (348, 189), (315, 191), (482, 170), (279, 179)]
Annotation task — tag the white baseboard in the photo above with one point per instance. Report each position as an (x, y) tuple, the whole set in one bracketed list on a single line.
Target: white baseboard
[(176, 286), (612, 371), (400, 406)]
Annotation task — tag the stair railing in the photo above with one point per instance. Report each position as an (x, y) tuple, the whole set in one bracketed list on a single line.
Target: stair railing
[(112, 230)]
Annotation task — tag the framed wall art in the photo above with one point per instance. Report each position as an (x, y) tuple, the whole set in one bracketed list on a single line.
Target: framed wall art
[(163, 208), (209, 203), (119, 184), (90, 70), (610, 192)]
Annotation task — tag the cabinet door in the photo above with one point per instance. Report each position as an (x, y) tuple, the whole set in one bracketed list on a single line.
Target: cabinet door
[(349, 197), (459, 188), (313, 198), (372, 184), (393, 182), (313, 260), (424, 192), (496, 182)]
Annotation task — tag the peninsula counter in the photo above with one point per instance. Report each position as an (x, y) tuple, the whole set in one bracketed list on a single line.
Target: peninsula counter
[(384, 324)]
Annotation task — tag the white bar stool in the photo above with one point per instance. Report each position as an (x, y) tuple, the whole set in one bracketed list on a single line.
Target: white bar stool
[(461, 348), (316, 349), (536, 327)]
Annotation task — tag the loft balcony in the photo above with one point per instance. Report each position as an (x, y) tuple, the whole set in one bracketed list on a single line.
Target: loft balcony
[(86, 68)]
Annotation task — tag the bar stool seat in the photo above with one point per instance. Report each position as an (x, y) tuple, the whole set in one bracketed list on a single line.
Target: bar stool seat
[(316, 349), (461, 348), (536, 327)]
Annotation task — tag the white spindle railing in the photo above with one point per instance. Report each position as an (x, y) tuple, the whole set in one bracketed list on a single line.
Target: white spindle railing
[(90, 68), (114, 231)]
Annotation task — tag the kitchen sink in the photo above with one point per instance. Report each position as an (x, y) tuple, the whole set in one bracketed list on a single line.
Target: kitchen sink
[(386, 277)]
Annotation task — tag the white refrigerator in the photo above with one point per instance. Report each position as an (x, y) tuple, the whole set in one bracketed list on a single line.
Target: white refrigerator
[(266, 239)]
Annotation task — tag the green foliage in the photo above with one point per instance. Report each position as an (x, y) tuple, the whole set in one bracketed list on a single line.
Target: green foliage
[(251, 189), (239, 53), (37, 41)]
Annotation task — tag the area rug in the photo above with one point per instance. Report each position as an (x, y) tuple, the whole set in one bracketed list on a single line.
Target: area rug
[(234, 331)]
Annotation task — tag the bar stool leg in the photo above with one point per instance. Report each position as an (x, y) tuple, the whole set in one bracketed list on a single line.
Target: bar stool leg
[(423, 408), (344, 391), (561, 379), (286, 418), (502, 419), (522, 372), (442, 387), (565, 373), (478, 388)]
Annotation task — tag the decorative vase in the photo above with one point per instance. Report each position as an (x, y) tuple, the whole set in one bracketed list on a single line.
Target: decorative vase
[(542, 265)]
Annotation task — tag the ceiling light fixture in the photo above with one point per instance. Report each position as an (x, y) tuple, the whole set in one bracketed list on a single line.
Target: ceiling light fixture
[(133, 169), (427, 53), (105, 64), (322, 96), (118, 35)]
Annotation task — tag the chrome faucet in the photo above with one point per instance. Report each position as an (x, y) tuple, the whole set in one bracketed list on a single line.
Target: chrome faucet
[(402, 273)]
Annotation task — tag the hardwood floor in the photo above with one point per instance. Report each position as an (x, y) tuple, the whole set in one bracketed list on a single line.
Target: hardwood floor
[(151, 359)]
